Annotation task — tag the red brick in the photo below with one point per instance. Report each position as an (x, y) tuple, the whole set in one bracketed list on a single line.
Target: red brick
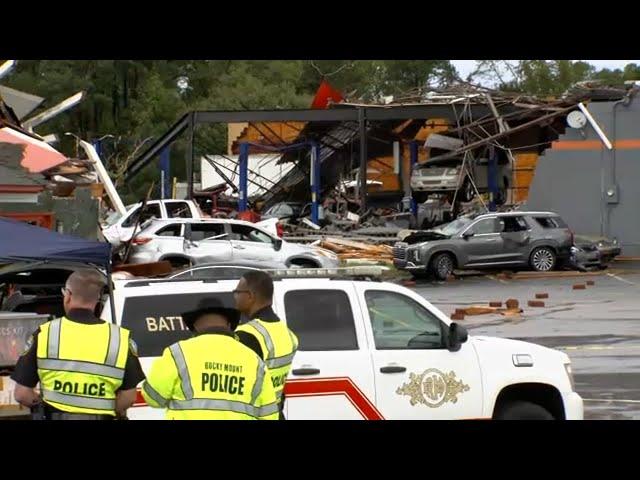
[(460, 311), (535, 303), (408, 283), (495, 304), (579, 286), (542, 295), (591, 282), (457, 316)]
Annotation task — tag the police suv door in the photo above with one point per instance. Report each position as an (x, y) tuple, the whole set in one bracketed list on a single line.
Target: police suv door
[(331, 376), (416, 376)]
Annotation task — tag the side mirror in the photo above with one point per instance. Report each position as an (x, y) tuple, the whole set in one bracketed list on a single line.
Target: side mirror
[(467, 235), (457, 336), (277, 244)]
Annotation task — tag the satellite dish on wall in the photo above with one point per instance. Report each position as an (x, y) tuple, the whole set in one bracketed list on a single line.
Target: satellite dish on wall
[(576, 119)]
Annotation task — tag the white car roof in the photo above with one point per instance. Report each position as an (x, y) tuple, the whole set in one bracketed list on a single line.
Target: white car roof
[(507, 214)]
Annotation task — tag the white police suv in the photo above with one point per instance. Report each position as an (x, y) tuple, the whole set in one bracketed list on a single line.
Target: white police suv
[(368, 350)]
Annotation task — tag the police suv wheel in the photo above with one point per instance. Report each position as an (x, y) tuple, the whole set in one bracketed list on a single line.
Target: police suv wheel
[(520, 410)]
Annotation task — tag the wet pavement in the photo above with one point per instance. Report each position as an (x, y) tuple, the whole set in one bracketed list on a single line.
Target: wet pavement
[(599, 328)]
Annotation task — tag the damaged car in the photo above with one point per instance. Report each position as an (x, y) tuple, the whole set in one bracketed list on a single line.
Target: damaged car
[(535, 240), (590, 252), (184, 242)]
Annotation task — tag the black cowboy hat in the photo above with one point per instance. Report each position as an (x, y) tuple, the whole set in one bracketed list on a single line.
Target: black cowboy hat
[(211, 305)]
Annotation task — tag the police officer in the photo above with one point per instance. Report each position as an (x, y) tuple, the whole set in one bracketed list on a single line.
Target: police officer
[(88, 369), (265, 333), (211, 376)]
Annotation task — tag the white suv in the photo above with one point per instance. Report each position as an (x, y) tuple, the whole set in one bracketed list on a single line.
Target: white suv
[(191, 241), (371, 350)]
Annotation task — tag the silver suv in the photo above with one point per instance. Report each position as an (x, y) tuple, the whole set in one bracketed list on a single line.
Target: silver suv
[(538, 240), (188, 241)]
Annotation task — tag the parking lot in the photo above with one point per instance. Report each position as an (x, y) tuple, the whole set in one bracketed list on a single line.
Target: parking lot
[(597, 327)]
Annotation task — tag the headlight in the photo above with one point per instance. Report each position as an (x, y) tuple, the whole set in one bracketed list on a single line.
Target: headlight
[(567, 368), (416, 255), (575, 249), (600, 244)]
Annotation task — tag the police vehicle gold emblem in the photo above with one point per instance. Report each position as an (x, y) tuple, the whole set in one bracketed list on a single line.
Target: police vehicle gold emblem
[(432, 388)]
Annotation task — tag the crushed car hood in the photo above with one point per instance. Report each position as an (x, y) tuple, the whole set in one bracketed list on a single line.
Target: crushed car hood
[(424, 236)]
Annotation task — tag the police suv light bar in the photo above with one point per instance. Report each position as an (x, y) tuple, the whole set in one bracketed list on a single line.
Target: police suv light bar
[(342, 272)]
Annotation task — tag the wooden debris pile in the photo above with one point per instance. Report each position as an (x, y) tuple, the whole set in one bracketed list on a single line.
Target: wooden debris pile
[(352, 250)]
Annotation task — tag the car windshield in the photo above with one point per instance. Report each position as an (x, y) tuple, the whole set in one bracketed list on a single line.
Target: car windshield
[(115, 216), (454, 227)]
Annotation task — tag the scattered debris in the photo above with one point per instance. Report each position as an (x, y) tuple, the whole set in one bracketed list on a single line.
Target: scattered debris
[(512, 303), (579, 286), (542, 295), (349, 249), (535, 303)]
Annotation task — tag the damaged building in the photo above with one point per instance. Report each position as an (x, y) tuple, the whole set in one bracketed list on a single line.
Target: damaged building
[(452, 151)]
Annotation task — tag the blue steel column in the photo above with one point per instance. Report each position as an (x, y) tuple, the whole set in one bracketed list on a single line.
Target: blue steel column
[(413, 156), (243, 186), (165, 166), (97, 144), (314, 172), (493, 180)]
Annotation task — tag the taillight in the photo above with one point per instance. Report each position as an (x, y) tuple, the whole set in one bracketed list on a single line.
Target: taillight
[(572, 237), (141, 240), (279, 229)]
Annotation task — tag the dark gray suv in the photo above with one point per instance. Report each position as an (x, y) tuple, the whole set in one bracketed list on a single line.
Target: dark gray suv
[(538, 240)]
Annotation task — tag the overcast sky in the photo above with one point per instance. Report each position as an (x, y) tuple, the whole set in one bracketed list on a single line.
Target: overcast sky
[(465, 67)]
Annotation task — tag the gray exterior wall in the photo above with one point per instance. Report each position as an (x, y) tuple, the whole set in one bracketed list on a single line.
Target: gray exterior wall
[(75, 215), (574, 183)]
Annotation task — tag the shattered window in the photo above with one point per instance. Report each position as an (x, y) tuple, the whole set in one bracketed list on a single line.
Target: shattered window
[(550, 222), (178, 209), (515, 224), (249, 234), (151, 211)]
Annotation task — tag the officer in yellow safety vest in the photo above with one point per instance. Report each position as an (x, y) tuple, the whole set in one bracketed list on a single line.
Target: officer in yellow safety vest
[(88, 369), (265, 333), (211, 376)]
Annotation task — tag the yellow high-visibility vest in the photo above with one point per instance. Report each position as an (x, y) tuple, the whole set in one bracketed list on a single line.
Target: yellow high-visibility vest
[(81, 366), (211, 377), (279, 346)]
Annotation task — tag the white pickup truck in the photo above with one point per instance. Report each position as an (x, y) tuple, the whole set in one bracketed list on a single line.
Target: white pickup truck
[(368, 349), (118, 228)]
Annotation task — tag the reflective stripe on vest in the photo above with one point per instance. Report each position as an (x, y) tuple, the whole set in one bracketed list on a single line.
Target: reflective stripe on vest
[(183, 371), (78, 401), (81, 367), (226, 405), (53, 345), (153, 393), (257, 387), (114, 345)]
